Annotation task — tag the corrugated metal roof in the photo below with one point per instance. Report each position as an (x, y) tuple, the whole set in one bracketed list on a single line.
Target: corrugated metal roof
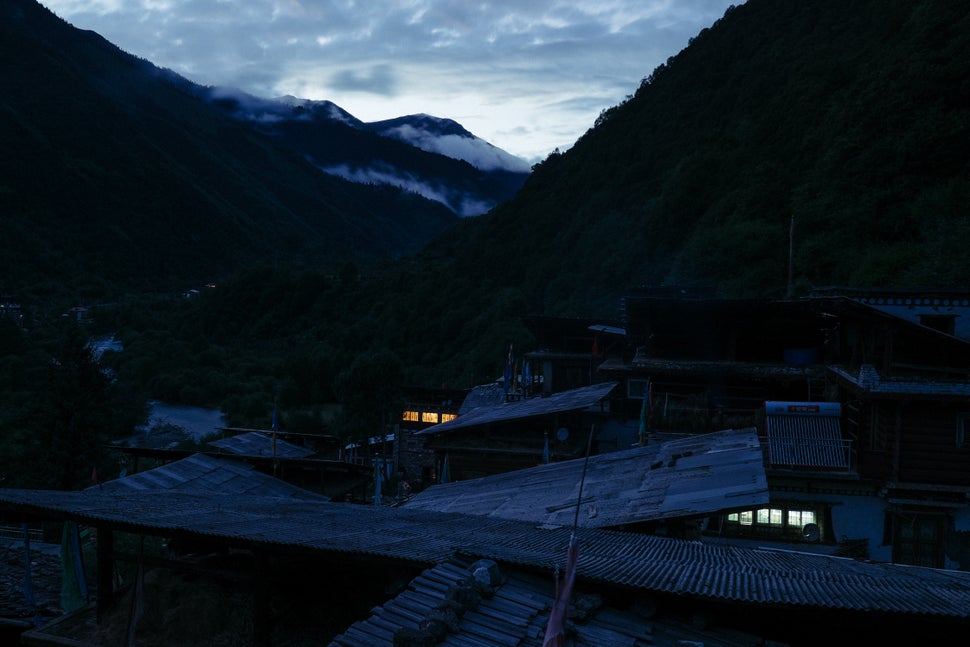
[(649, 563), (576, 399), (514, 613), (207, 475), (256, 443), (689, 476)]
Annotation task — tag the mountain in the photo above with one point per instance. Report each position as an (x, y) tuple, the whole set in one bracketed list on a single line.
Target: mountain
[(116, 177), (432, 157), (846, 124)]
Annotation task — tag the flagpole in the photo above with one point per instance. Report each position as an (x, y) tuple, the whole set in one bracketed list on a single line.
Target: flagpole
[(556, 626)]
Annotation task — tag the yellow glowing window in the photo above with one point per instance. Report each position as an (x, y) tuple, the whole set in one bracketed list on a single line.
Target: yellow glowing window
[(410, 416), (445, 417), (429, 416)]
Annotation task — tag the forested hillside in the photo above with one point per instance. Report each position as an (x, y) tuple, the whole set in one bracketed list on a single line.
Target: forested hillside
[(115, 179), (851, 118)]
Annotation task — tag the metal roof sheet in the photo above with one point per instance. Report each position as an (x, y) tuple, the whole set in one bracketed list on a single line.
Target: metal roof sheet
[(650, 563), (504, 411), (206, 474), (689, 476), (257, 443)]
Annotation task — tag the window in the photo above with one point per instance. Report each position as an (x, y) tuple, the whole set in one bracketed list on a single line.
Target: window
[(429, 416), (789, 522), (636, 389), (410, 416), (445, 417)]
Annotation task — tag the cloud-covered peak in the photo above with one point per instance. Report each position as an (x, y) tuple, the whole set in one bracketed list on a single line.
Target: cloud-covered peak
[(447, 137)]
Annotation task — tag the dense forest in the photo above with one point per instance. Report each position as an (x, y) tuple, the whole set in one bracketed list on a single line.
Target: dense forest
[(844, 123)]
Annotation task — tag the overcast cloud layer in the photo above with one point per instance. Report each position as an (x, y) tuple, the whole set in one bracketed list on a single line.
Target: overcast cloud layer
[(526, 76)]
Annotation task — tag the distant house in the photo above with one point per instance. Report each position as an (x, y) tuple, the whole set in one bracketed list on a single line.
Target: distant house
[(493, 434), (423, 408), (568, 351)]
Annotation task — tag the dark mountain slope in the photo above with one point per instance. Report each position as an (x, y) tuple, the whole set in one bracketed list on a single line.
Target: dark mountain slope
[(853, 118), (115, 178)]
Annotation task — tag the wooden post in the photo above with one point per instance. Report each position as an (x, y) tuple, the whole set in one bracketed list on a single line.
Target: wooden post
[(106, 569), (261, 599)]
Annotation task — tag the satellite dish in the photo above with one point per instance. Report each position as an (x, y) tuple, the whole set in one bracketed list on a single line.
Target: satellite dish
[(562, 434), (811, 532)]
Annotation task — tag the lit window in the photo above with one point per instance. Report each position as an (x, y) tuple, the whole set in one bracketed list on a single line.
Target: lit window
[(429, 416), (747, 518), (800, 518), (410, 416), (774, 517), (445, 417), (733, 517)]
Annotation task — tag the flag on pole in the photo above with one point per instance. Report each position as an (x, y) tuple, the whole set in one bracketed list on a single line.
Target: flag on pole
[(445, 471), (275, 426), (509, 371), (545, 451), (556, 626), (643, 419), (377, 484)]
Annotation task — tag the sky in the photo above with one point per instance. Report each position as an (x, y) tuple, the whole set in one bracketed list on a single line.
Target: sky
[(528, 76)]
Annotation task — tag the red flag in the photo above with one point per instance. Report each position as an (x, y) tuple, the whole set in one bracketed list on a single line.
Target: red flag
[(556, 627)]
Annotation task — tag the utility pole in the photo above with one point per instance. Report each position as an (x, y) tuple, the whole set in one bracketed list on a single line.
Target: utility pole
[(791, 253)]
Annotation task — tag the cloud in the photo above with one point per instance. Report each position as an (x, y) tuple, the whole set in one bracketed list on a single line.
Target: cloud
[(526, 76), (378, 79)]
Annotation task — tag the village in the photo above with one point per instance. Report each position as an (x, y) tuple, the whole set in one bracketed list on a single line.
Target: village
[(722, 472)]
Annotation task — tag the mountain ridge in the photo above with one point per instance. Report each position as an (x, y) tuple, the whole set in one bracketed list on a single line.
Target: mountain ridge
[(433, 157)]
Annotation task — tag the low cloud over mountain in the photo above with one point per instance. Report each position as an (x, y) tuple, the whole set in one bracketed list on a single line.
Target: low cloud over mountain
[(432, 157)]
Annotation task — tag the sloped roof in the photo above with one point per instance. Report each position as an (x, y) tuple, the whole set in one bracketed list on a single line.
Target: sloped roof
[(207, 475), (515, 614), (573, 400), (870, 382), (643, 562), (685, 477), (257, 443)]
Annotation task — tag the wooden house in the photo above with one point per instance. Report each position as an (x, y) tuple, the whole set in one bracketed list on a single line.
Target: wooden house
[(877, 403), (494, 434)]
